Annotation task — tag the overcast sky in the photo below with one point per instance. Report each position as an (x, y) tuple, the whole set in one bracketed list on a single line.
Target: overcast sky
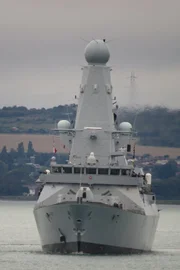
[(41, 50)]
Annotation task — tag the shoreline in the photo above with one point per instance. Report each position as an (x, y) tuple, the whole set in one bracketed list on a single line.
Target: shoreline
[(169, 202), (18, 198)]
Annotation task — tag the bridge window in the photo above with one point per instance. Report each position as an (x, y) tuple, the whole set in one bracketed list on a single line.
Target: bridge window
[(90, 170), (77, 170), (124, 172), (67, 169), (114, 172), (102, 171), (128, 172)]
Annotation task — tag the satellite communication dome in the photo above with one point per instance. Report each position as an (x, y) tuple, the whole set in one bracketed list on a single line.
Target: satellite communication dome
[(97, 52), (91, 160), (63, 124), (125, 127)]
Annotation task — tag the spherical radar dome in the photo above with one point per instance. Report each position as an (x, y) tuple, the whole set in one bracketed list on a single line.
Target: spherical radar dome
[(97, 52), (125, 127), (63, 124)]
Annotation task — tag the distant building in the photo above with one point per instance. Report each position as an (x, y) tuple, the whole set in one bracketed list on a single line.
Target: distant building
[(32, 189), (161, 162)]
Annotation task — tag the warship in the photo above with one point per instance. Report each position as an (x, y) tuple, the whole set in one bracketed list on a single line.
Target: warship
[(99, 202)]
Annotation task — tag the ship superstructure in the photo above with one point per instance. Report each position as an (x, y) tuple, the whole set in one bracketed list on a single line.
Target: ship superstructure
[(98, 202)]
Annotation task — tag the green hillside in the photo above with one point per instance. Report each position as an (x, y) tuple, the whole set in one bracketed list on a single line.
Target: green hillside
[(156, 126)]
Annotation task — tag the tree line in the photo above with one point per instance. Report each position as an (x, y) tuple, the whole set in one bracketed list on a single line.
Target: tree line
[(19, 168), (155, 126)]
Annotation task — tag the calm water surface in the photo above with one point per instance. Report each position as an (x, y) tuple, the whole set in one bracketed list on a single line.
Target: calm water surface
[(20, 245)]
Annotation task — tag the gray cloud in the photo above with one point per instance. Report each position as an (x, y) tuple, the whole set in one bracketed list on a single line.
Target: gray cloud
[(41, 51)]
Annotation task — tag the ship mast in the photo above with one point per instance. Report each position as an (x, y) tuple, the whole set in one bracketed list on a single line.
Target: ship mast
[(94, 118)]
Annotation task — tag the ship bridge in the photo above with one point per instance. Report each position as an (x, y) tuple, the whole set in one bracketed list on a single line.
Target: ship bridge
[(103, 175)]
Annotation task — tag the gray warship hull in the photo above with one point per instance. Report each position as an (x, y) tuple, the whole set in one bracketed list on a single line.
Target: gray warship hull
[(94, 228), (99, 202)]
